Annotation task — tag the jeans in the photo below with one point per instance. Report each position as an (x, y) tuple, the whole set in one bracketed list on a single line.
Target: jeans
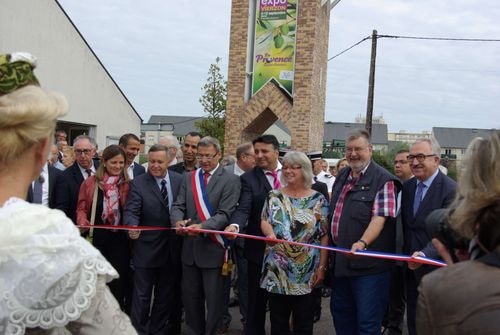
[(358, 304)]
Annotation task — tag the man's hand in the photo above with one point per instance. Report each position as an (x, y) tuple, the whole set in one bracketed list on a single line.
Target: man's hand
[(415, 265), (181, 225), (358, 245), (134, 234), (191, 227), (318, 277), (231, 229)]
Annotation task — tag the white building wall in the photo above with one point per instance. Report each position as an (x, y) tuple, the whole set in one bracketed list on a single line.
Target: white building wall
[(67, 65)]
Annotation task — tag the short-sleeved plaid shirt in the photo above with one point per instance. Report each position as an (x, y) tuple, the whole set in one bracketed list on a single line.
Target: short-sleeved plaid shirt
[(383, 205)]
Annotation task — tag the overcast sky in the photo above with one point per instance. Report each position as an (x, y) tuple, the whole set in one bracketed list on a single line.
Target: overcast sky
[(159, 52)]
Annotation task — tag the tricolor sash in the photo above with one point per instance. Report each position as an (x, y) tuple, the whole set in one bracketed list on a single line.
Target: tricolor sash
[(205, 211)]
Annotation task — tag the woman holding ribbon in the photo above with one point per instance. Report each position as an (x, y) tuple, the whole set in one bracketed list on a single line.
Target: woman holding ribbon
[(294, 213), (51, 279), (101, 201)]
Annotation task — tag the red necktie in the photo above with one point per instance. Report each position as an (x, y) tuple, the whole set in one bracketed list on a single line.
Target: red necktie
[(206, 175), (276, 182)]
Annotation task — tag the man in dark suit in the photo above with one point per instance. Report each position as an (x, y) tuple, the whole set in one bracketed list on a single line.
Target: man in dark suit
[(131, 144), (155, 253), (68, 185), (255, 185), (428, 190), (189, 149), (202, 257), (42, 190)]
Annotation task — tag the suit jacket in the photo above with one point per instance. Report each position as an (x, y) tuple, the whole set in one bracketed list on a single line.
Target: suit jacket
[(322, 188), (68, 188), (223, 191), (145, 207), (138, 169), (439, 195), (254, 190), (54, 174)]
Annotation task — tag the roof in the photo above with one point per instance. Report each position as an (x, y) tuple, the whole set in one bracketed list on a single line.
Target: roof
[(179, 125), (458, 137), (340, 130)]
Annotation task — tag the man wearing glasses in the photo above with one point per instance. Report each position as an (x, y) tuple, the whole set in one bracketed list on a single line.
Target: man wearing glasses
[(68, 185), (364, 215), (428, 190), (206, 200)]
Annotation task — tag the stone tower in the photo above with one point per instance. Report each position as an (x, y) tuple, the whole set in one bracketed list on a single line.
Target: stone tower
[(292, 92)]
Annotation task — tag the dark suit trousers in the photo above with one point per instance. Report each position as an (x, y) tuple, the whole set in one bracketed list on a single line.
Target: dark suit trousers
[(200, 286), (162, 281), (257, 301), (411, 301)]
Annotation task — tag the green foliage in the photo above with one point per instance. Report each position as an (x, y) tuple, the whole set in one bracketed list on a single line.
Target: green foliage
[(213, 102), (381, 158)]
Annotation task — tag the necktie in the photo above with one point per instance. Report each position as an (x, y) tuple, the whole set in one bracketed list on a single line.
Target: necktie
[(89, 172), (164, 192), (276, 182), (206, 175), (37, 190), (418, 197)]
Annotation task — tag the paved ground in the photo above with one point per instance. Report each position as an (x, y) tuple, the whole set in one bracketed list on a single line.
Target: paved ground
[(323, 326)]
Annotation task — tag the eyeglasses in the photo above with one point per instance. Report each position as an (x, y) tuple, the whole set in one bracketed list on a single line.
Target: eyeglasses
[(420, 157), (82, 151), (206, 157), (293, 167), (349, 150)]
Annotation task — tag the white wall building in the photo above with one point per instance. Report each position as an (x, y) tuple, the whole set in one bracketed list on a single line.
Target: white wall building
[(66, 64)]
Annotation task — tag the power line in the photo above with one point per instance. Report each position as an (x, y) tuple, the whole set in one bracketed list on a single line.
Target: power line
[(418, 38), (352, 46), (441, 38)]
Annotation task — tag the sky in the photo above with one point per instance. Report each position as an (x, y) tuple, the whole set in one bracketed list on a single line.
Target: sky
[(159, 52)]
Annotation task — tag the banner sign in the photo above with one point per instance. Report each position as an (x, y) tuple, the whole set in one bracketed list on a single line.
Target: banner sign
[(274, 47)]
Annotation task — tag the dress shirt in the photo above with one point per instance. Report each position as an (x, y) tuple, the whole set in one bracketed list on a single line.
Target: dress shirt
[(270, 178), (169, 189)]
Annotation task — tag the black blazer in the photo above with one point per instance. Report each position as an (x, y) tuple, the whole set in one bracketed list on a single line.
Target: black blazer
[(322, 188), (68, 187), (54, 174), (145, 207), (254, 190), (138, 169), (439, 195)]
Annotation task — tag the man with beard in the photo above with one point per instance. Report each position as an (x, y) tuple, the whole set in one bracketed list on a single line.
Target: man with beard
[(364, 214), (189, 149)]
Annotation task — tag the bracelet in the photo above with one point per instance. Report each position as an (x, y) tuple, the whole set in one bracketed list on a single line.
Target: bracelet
[(364, 242), (322, 268)]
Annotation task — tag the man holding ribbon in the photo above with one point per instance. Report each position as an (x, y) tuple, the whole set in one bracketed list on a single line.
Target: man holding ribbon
[(207, 198)]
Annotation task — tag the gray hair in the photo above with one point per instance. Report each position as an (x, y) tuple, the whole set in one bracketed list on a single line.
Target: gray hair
[(433, 143), (209, 141), (243, 149), (299, 158), (169, 141), (85, 137), (161, 147)]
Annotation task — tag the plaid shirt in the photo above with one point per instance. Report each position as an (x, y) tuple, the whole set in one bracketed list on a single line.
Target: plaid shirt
[(383, 205)]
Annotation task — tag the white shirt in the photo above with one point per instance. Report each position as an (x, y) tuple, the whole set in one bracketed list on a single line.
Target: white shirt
[(84, 173), (45, 186), (237, 170), (327, 179), (130, 171), (270, 178)]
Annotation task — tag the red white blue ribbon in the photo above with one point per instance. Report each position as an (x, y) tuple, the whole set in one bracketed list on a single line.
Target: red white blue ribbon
[(204, 208), (364, 253)]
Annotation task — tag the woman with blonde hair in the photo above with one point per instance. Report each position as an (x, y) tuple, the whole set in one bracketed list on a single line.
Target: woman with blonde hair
[(51, 279), (464, 298)]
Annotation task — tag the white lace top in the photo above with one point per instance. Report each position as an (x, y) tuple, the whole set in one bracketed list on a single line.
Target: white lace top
[(52, 281)]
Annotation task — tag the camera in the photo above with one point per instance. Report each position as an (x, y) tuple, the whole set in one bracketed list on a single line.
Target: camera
[(437, 226)]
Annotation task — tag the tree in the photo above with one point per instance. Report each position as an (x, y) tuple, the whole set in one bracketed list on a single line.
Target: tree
[(213, 102)]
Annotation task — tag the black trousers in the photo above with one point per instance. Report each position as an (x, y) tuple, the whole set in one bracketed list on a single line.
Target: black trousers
[(115, 247), (299, 307), (159, 283), (257, 302)]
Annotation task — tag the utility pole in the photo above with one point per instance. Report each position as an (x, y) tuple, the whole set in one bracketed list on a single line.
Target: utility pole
[(371, 84)]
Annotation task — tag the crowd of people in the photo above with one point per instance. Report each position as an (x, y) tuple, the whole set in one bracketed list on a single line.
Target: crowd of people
[(170, 265)]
